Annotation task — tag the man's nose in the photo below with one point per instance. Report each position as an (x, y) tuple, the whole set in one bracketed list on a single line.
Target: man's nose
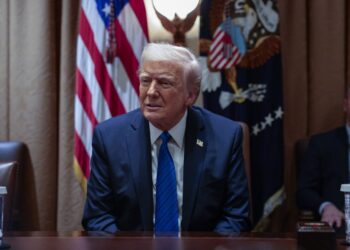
[(152, 90)]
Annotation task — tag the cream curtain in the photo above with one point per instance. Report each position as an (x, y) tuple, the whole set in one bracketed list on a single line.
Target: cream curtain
[(70, 195), (37, 70), (37, 58)]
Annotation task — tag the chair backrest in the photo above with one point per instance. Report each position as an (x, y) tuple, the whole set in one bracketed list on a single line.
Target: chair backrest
[(299, 152), (246, 156), (8, 175), (24, 215)]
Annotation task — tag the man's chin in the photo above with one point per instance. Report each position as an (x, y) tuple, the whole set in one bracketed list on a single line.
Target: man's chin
[(152, 117), (155, 120)]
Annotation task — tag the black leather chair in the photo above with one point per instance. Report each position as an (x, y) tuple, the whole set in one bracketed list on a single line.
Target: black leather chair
[(21, 188), (8, 176), (299, 152)]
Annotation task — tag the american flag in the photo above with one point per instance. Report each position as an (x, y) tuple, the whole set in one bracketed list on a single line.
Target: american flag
[(112, 35)]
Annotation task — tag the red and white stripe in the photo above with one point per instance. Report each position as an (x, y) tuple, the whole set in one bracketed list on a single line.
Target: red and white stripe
[(218, 59), (104, 90)]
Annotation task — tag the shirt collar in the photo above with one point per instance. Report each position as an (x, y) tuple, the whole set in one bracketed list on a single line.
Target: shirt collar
[(177, 132)]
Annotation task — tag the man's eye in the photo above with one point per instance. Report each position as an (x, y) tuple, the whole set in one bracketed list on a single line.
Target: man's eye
[(166, 84), (145, 81)]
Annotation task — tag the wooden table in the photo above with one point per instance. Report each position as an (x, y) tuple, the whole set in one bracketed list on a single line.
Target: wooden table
[(146, 241)]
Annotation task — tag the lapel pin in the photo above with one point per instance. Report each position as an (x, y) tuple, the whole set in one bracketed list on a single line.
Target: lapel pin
[(199, 143)]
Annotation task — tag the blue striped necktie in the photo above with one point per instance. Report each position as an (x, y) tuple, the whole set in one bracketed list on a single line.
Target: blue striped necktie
[(167, 213)]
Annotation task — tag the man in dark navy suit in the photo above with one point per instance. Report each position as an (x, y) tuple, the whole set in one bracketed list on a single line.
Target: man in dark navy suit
[(323, 169), (206, 154)]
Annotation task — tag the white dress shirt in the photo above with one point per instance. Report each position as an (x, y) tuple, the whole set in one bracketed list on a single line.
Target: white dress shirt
[(176, 148)]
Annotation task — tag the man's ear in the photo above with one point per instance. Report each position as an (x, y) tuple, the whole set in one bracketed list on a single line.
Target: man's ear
[(192, 97)]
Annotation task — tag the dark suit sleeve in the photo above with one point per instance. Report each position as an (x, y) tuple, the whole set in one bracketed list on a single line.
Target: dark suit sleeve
[(309, 178), (235, 216), (99, 206)]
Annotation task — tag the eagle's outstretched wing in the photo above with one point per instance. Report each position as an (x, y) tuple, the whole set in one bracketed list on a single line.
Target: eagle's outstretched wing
[(190, 18), (167, 24)]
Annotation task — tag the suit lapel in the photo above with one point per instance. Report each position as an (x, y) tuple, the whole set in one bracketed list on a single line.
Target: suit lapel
[(195, 148), (139, 150)]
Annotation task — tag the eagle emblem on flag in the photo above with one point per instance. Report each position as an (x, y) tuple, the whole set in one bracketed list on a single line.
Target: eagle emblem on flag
[(246, 37)]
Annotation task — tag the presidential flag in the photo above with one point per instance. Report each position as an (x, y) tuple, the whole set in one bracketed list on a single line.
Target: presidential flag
[(112, 35), (246, 85)]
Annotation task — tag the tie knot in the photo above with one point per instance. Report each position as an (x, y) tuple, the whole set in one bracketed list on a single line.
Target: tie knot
[(165, 136)]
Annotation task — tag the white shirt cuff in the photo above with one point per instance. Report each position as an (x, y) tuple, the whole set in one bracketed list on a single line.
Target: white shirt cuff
[(322, 206)]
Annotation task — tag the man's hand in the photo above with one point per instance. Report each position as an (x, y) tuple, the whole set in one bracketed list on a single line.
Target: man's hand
[(332, 215)]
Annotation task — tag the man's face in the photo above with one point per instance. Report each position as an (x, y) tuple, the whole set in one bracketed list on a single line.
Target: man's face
[(164, 96)]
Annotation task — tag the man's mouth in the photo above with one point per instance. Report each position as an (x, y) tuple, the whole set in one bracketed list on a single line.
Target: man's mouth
[(152, 106)]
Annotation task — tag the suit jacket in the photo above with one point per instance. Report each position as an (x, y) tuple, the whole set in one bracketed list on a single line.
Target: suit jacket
[(215, 192), (323, 169)]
